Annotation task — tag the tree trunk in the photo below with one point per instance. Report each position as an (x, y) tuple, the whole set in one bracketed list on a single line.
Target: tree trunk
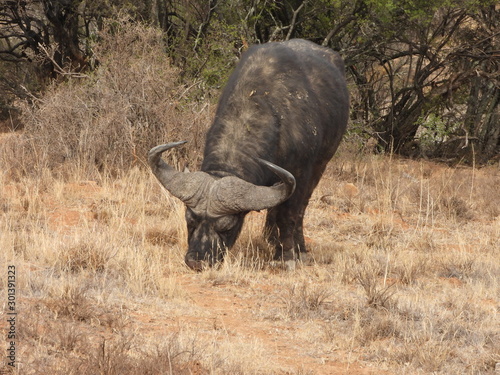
[(490, 133)]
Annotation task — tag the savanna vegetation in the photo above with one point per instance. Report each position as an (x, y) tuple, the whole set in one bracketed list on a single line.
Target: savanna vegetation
[(404, 228)]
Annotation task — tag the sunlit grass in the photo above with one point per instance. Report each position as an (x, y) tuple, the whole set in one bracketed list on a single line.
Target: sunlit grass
[(401, 276)]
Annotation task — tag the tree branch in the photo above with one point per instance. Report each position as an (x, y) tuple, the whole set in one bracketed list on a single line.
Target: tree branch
[(294, 20), (204, 25), (336, 29)]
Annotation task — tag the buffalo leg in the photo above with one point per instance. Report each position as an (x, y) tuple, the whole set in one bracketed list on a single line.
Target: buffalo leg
[(300, 244), (284, 226), (285, 223), (279, 230), (271, 232), (301, 202)]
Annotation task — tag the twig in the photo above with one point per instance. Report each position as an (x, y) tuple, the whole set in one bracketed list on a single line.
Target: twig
[(294, 20), (58, 68)]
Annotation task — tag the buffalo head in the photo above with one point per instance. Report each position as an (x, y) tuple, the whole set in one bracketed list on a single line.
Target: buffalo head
[(216, 206)]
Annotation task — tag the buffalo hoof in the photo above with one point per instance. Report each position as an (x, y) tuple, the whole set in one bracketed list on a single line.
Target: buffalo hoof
[(290, 265), (306, 259), (283, 265), (286, 260)]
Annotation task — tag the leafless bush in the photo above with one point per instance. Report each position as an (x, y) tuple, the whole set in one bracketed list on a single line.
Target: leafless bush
[(368, 275), (409, 270), (375, 325), (107, 121), (72, 302), (303, 301), (84, 256), (125, 356)]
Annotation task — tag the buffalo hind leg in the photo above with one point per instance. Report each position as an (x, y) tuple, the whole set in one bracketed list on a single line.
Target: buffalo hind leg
[(300, 203)]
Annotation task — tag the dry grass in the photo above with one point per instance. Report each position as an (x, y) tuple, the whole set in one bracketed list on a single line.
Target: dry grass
[(105, 123), (403, 275), (397, 281), (403, 278)]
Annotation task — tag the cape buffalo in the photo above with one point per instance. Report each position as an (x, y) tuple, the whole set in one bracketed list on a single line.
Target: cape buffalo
[(279, 121)]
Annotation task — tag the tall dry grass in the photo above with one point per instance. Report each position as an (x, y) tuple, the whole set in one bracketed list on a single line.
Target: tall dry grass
[(107, 121)]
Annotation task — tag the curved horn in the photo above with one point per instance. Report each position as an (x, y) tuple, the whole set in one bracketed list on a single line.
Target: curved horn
[(188, 187), (154, 155), (232, 194), (227, 195), (163, 172), (285, 176)]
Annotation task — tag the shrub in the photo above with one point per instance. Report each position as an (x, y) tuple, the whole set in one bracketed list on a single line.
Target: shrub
[(107, 120)]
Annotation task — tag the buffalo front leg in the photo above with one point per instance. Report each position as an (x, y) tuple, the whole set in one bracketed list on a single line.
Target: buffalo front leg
[(271, 232), (280, 229)]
